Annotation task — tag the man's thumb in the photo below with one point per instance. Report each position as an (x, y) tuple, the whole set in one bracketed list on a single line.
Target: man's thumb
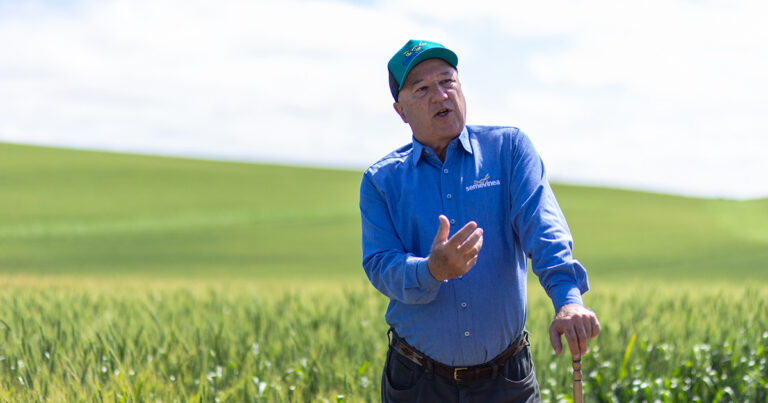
[(444, 230), (555, 339)]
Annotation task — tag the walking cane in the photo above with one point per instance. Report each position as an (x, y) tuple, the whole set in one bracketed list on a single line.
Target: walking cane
[(578, 396)]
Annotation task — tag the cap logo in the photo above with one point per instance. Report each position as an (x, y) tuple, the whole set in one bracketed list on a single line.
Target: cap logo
[(412, 52)]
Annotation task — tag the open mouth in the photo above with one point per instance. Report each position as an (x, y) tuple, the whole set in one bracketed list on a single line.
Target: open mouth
[(443, 112)]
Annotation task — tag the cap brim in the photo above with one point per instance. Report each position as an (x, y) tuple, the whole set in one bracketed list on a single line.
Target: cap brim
[(432, 53)]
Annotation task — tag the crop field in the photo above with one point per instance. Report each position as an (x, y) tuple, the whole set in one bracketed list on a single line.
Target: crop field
[(136, 278), (182, 343)]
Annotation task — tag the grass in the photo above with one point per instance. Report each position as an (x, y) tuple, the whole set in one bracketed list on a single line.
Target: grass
[(103, 214), (111, 214), (624, 234)]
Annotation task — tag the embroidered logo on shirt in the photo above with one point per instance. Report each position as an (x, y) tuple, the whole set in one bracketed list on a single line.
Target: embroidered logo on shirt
[(484, 182), (483, 179)]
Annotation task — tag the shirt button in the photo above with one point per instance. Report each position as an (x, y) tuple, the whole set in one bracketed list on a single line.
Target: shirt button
[(448, 195), (453, 221), (463, 304), (445, 171), (466, 334)]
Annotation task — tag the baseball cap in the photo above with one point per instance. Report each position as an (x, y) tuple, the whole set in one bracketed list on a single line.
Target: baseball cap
[(413, 53)]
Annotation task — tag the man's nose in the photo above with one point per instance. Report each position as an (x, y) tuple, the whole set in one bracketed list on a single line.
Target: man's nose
[(439, 94)]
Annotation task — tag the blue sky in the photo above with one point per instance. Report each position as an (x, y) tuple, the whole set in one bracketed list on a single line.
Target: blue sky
[(668, 96)]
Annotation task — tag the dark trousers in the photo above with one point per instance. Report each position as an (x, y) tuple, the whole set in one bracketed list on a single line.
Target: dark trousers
[(406, 381)]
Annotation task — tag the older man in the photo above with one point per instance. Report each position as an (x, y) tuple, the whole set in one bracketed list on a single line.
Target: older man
[(457, 305)]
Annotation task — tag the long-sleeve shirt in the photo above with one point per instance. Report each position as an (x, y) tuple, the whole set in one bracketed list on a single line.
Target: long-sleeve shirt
[(495, 177)]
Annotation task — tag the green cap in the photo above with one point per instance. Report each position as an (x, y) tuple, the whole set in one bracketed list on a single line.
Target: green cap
[(413, 53)]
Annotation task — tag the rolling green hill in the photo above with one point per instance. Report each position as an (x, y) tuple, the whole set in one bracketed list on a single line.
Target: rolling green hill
[(82, 213)]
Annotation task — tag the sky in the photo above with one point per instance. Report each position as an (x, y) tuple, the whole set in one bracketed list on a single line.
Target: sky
[(667, 96)]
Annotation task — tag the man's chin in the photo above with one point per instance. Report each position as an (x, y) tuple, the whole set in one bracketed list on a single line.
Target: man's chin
[(449, 130)]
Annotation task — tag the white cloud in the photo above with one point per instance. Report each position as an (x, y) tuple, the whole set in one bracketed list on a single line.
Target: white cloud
[(662, 95)]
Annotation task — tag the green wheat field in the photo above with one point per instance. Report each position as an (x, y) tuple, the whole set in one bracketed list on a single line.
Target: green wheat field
[(132, 278)]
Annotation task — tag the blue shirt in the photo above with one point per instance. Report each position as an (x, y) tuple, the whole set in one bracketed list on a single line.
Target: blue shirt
[(493, 176)]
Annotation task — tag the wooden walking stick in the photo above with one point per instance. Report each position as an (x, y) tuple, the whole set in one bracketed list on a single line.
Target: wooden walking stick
[(578, 396)]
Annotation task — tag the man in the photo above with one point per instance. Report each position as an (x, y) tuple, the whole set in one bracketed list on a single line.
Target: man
[(457, 315)]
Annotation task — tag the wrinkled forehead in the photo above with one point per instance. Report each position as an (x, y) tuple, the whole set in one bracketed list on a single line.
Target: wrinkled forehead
[(429, 69)]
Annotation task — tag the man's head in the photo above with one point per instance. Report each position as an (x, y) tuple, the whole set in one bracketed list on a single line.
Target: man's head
[(425, 84), (411, 54)]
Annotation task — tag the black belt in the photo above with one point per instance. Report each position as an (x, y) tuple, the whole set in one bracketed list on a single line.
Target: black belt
[(458, 374)]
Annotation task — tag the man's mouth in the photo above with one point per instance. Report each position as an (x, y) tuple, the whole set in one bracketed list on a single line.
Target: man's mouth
[(443, 112)]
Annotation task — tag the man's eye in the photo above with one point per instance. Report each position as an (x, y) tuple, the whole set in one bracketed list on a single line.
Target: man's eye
[(421, 89), (448, 82)]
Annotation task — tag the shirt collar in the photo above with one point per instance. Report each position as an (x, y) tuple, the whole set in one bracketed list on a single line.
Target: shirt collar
[(463, 139)]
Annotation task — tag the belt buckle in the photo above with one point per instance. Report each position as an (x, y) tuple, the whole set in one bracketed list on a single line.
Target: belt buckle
[(456, 373)]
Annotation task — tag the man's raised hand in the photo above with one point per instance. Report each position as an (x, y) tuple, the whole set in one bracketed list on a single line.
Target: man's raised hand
[(453, 257)]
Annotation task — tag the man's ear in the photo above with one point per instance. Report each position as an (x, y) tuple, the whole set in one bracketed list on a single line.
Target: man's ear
[(399, 110)]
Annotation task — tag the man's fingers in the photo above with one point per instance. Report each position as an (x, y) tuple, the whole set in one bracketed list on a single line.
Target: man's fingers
[(578, 323), (459, 237), (470, 263), (581, 333), (473, 243), (571, 337), (555, 339), (595, 327), (573, 342), (443, 230), (479, 244)]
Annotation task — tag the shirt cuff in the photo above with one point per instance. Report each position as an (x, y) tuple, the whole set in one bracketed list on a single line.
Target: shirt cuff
[(565, 294), (425, 278)]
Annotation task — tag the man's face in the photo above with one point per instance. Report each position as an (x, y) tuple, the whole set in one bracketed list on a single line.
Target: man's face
[(432, 103)]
